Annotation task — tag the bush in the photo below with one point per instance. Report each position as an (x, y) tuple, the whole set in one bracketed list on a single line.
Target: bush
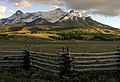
[(98, 37), (4, 36)]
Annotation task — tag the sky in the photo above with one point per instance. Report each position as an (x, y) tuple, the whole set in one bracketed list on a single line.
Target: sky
[(104, 11)]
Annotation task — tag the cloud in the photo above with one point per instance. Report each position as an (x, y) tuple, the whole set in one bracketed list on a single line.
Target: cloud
[(55, 6), (29, 3), (2, 11), (11, 11), (102, 7), (23, 4), (2, 15), (20, 3), (47, 2)]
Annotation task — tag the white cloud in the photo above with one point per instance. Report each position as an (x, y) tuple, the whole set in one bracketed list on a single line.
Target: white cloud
[(23, 4), (2, 11), (55, 6), (2, 15), (20, 3), (29, 3), (11, 11)]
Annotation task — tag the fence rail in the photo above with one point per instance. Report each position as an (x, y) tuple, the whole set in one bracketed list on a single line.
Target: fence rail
[(95, 61), (65, 63), (96, 57), (104, 53), (107, 61), (98, 69)]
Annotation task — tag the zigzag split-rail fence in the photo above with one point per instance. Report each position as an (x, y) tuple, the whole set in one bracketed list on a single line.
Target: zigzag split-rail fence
[(64, 64)]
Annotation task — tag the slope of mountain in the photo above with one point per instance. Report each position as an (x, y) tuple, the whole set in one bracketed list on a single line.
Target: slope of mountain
[(39, 21), (15, 18), (19, 16), (77, 19)]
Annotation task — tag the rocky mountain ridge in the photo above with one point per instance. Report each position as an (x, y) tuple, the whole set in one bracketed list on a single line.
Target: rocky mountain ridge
[(19, 16)]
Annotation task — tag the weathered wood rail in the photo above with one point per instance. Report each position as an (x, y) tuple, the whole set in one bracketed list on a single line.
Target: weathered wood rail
[(45, 61), (64, 64), (10, 59), (96, 61)]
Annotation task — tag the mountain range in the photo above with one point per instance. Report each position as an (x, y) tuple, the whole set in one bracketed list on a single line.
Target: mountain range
[(55, 20), (19, 16), (57, 17)]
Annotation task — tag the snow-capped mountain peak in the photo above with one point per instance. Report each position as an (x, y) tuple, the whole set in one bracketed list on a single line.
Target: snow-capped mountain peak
[(19, 16), (58, 9), (50, 16), (19, 12), (72, 14)]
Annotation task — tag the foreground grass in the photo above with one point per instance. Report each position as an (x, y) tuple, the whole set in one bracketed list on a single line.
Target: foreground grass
[(51, 46), (36, 75)]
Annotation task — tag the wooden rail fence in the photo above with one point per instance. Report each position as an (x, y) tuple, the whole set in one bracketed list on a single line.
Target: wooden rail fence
[(64, 64)]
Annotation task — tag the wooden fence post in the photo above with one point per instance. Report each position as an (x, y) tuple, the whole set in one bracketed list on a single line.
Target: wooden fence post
[(63, 50), (66, 64), (118, 61), (26, 64)]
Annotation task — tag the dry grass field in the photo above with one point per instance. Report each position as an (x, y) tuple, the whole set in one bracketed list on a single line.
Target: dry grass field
[(55, 46)]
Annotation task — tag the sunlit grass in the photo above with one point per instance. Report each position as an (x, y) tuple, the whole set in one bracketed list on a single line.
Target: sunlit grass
[(55, 46), (52, 46)]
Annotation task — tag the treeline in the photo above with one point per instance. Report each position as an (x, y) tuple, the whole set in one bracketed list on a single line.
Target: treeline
[(78, 35), (6, 36)]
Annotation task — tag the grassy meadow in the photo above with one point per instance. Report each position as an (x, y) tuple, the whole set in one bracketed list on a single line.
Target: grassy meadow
[(55, 46)]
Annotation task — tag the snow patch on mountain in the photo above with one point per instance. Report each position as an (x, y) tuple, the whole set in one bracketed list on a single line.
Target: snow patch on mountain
[(75, 15), (19, 16)]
